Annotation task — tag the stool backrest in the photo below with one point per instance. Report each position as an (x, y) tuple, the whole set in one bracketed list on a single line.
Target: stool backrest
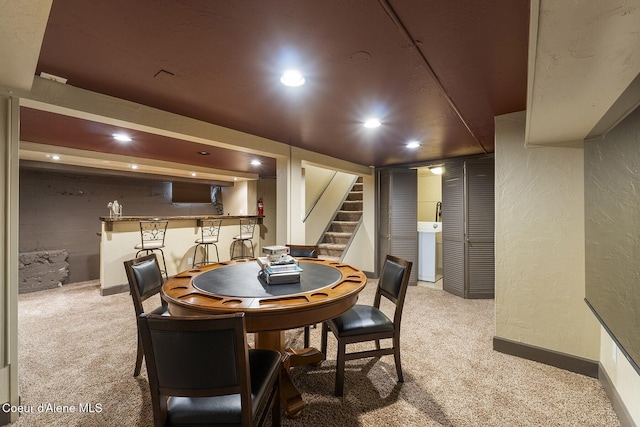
[(210, 229), (153, 232), (247, 226)]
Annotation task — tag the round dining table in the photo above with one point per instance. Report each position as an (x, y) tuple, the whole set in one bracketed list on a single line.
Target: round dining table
[(325, 290)]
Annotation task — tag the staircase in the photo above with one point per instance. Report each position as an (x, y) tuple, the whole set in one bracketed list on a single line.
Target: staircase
[(340, 232)]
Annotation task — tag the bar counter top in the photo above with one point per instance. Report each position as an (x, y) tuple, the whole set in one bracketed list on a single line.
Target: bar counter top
[(110, 220)]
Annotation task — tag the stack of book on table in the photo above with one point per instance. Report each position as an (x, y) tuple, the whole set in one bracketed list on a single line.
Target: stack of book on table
[(278, 266)]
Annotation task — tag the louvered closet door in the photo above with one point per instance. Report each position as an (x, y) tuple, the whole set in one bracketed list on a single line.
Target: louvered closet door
[(480, 228), (453, 237), (398, 224), (468, 260)]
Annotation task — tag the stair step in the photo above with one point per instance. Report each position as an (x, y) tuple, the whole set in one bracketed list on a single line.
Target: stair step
[(331, 250), (332, 246), (348, 216), (343, 226), (355, 196), (352, 205), (336, 237)]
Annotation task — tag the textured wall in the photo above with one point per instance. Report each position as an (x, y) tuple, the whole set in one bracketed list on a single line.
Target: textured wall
[(540, 278), (612, 209), (60, 211)]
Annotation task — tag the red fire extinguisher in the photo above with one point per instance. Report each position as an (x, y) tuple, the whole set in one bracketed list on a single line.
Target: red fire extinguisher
[(260, 207)]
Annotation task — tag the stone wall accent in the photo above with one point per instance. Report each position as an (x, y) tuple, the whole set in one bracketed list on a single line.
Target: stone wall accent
[(42, 270)]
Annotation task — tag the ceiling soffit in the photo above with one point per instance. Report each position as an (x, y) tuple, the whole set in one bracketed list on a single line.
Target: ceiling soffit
[(584, 60)]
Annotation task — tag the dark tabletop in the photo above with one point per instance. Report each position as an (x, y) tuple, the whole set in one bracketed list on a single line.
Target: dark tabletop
[(241, 280)]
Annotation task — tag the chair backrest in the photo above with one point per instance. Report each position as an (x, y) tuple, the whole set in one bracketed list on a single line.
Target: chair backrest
[(247, 226), (307, 251), (393, 283), (196, 357), (145, 279), (152, 232), (210, 229)]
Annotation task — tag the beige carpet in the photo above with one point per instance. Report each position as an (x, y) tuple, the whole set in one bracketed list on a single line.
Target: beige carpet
[(78, 348)]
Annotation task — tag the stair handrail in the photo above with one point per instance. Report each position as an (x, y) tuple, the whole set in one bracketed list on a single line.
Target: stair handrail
[(315, 203)]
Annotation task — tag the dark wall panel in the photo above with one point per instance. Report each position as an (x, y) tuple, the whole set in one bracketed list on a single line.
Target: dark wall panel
[(61, 211), (612, 232)]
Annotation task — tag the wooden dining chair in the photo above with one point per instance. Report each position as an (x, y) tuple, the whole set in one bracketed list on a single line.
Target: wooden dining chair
[(201, 372), (145, 281), (304, 251), (368, 323)]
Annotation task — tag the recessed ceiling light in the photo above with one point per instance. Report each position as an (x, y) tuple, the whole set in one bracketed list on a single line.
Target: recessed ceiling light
[(235, 178), (293, 78), (133, 166), (413, 144), (203, 153), (194, 174), (256, 162), (121, 137), (53, 156), (372, 123)]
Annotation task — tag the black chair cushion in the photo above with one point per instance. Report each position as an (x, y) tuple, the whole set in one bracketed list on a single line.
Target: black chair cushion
[(189, 411), (225, 409), (361, 319)]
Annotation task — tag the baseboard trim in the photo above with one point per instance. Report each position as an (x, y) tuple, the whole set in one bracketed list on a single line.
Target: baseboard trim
[(112, 290), (564, 361), (616, 401)]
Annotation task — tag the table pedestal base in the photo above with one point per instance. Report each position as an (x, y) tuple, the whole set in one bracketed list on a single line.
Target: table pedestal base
[(305, 356), (290, 396)]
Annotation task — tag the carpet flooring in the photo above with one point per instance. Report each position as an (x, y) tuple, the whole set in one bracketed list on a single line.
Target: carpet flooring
[(77, 353)]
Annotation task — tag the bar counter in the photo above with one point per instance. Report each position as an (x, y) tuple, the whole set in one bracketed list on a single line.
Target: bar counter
[(120, 235), (109, 221)]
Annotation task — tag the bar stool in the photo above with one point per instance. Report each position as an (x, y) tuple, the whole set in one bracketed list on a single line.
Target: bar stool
[(209, 232), (247, 226), (152, 239)]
